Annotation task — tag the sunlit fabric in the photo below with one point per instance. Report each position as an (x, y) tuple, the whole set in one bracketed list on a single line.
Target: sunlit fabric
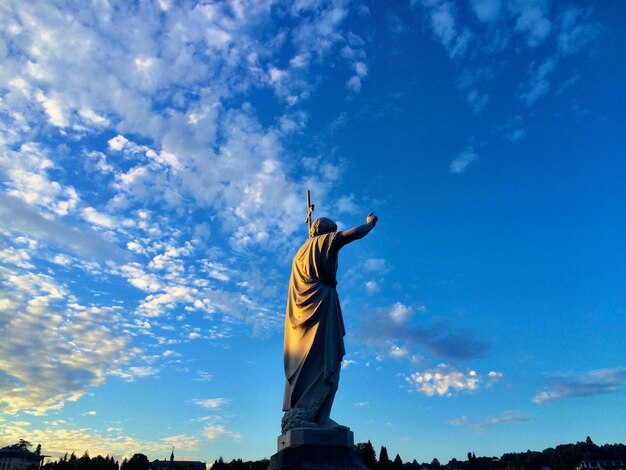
[(314, 327)]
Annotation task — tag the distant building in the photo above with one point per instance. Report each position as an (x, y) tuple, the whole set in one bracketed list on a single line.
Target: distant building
[(19, 458), (601, 465), (172, 464)]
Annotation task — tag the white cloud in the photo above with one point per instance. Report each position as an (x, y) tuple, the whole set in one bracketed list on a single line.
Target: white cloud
[(538, 84), (400, 313), (494, 377), (376, 265), (17, 256), (204, 376), (487, 11), (131, 373), (94, 118), (514, 128), (98, 218), (117, 143), (458, 421), (460, 163), (372, 287), (533, 21), (347, 362), (360, 68), (444, 25), (27, 172), (443, 380), (575, 34), (277, 75), (74, 349), (347, 205), (218, 431), (62, 259), (506, 418), (211, 403), (398, 352), (54, 110), (360, 72)]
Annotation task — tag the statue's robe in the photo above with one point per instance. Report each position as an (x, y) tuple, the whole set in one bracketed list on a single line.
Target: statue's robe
[(314, 328)]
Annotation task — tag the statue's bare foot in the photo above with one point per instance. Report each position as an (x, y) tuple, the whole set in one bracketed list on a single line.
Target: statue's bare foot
[(331, 424)]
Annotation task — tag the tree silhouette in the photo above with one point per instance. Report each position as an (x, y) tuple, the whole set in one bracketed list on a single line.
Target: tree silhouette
[(383, 460), (136, 462), (20, 445), (367, 453), (83, 463), (219, 464), (397, 463), (472, 461)]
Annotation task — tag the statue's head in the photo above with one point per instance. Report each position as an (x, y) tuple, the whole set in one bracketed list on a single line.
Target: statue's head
[(322, 226)]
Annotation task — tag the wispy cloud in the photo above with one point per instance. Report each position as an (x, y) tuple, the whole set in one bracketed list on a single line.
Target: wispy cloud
[(585, 384), (444, 25), (460, 163), (576, 31), (527, 24), (204, 376), (532, 20), (513, 129), (376, 265), (218, 431), (510, 417), (487, 11), (23, 218), (211, 403), (538, 80)]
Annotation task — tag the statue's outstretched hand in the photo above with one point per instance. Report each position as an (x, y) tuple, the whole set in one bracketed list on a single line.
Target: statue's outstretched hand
[(371, 219)]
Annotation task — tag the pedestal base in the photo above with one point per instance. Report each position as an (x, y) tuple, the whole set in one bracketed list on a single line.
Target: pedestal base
[(316, 449)]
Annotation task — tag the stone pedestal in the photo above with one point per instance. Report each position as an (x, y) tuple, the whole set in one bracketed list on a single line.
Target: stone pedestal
[(316, 449)]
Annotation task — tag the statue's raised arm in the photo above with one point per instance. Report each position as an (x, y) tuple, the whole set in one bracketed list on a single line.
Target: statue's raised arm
[(359, 232), (314, 328)]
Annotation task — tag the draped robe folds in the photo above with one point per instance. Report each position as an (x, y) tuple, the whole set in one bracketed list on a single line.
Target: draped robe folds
[(314, 328)]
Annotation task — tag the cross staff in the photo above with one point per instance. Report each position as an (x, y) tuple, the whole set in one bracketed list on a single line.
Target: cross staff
[(310, 208)]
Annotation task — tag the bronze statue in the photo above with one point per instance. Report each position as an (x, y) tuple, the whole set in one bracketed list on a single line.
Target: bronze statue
[(314, 327)]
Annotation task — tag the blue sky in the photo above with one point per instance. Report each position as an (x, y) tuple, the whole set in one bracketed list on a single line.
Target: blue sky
[(154, 159)]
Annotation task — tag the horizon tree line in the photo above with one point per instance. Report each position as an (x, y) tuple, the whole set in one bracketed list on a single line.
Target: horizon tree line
[(561, 457)]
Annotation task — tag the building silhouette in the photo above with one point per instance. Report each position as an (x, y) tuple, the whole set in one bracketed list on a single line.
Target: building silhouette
[(20, 458), (172, 464)]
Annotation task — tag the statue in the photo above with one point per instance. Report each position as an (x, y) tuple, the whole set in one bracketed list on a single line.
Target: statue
[(314, 328)]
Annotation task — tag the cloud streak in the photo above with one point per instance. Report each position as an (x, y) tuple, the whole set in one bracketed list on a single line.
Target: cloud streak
[(22, 218), (396, 324), (58, 439), (491, 27), (460, 163), (585, 384)]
